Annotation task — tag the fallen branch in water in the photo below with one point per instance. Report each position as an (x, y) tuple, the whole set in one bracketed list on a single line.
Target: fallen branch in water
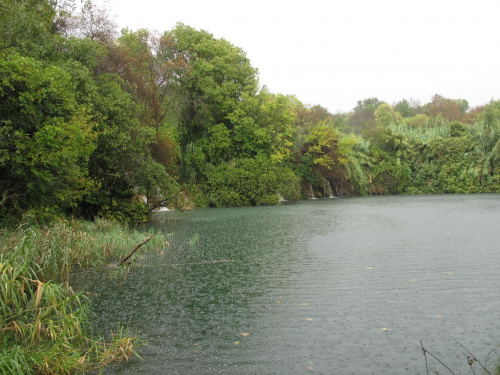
[(133, 251)]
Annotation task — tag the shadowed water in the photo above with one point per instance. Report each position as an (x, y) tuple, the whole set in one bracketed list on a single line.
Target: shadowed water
[(333, 286)]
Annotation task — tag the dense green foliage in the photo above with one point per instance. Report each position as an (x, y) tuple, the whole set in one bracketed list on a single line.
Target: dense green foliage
[(99, 125), (91, 119)]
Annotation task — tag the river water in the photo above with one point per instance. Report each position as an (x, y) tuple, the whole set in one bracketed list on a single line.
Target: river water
[(330, 286)]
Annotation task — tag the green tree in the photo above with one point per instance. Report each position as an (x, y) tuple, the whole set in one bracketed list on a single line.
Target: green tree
[(218, 77), (386, 115), (322, 145), (122, 162), (219, 143), (47, 137), (363, 115), (405, 109), (263, 123), (25, 23), (276, 117), (369, 103), (390, 174), (244, 182)]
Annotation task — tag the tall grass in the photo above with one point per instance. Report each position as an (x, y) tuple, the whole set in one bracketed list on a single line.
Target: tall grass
[(56, 251), (43, 324), (423, 133)]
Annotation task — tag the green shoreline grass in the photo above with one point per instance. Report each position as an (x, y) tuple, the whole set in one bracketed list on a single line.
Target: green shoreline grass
[(44, 326)]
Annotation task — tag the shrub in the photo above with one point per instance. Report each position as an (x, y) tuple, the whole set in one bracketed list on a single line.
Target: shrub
[(243, 182)]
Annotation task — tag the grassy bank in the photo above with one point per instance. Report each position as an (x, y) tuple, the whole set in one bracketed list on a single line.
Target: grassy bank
[(44, 327)]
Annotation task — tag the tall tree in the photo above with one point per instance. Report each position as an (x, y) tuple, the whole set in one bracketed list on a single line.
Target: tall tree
[(450, 109), (46, 137), (404, 107), (363, 115), (386, 115), (24, 23), (219, 75), (92, 22)]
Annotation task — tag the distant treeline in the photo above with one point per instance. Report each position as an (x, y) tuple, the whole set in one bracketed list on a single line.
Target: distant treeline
[(90, 119)]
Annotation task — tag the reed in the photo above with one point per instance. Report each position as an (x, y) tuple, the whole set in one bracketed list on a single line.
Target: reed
[(489, 366), (425, 133), (43, 323), (64, 247)]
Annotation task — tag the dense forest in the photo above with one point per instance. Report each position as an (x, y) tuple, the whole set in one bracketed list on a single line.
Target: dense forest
[(108, 126), (91, 118)]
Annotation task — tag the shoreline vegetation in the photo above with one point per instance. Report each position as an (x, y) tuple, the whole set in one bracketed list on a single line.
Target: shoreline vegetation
[(45, 325), (109, 126)]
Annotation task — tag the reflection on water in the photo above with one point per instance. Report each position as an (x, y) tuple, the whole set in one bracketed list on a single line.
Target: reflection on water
[(344, 286)]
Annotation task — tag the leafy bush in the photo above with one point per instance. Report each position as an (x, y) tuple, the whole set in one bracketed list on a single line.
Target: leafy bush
[(243, 182), (288, 184)]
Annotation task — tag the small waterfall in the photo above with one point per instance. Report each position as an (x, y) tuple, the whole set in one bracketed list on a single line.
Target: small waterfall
[(162, 209), (327, 189), (312, 191), (331, 191)]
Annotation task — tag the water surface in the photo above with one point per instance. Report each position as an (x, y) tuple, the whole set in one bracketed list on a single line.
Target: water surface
[(333, 286)]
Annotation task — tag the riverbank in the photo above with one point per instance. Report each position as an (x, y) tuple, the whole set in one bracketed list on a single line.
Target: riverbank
[(44, 324)]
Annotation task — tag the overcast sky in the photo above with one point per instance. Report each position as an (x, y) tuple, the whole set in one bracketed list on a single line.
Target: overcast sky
[(334, 53)]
